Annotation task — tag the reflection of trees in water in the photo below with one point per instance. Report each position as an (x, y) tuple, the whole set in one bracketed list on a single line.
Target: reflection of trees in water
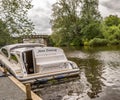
[(93, 64), (93, 71)]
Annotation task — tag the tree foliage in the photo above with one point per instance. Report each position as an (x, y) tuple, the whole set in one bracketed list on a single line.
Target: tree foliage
[(75, 21), (14, 14), (4, 34), (90, 19), (111, 27), (90, 11), (65, 22), (112, 20)]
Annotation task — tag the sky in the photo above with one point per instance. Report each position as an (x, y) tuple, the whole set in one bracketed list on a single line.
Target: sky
[(41, 12)]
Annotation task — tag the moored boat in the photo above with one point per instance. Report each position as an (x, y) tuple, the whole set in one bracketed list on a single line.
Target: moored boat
[(33, 61)]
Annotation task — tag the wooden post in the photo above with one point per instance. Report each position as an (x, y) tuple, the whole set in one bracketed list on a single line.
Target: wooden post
[(28, 91), (5, 71)]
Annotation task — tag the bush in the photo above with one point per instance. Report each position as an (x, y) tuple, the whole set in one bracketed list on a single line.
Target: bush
[(114, 42), (76, 42), (86, 43), (98, 42)]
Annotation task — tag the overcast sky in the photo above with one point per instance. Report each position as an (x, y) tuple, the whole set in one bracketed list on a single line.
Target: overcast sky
[(41, 12)]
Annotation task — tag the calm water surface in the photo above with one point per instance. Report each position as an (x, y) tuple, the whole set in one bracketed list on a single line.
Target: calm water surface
[(99, 76)]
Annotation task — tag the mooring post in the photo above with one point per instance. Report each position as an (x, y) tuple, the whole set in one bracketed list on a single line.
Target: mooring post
[(28, 92), (5, 71)]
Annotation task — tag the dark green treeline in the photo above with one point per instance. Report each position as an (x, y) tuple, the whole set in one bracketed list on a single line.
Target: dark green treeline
[(78, 22)]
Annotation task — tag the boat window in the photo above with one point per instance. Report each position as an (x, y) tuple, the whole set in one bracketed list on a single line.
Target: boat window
[(4, 51), (18, 55), (13, 58)]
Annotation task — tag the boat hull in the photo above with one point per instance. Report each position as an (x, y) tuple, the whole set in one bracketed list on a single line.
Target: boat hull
[(50, 76)]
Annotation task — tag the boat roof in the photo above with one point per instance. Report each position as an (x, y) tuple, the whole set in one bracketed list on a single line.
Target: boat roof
[(22, 45)]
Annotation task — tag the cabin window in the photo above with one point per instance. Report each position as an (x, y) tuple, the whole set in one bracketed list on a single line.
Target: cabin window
[(18, 55), (4, 51), (13, 58)]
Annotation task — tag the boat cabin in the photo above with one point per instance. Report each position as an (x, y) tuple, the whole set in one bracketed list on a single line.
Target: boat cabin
[(34, 60)]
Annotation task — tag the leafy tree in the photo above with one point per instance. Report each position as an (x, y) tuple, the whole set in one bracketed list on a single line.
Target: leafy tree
[(111, 29), (4, 34), (73, 26), (112, 32), (65, 22), (90, 11), (14, 14), (112, 20), (91, 31), (90, 19)]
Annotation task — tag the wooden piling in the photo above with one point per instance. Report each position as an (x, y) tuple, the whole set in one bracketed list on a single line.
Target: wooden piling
[(28, 92), (5, 71)]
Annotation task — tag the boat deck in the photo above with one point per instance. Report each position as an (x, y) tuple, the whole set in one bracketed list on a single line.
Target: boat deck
[(12, 89)]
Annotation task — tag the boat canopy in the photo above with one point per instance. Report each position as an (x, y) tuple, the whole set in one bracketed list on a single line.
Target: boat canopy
[(22, 45)]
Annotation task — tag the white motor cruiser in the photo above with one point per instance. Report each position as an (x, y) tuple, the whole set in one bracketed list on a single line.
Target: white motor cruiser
[(33, 61)]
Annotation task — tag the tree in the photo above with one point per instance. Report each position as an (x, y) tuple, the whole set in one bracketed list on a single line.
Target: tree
[(4, 34), (14, 14), (65, 21), (111, 29), (75, 21), (112, 32), (112, 20), (90, 19), (90, 31)]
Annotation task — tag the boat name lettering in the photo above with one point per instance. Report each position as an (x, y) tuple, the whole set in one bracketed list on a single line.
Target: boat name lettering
[(47, 50), (41, 51), (51, 50)]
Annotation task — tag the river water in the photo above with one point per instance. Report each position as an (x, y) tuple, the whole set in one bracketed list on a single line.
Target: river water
[(99, 76)]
